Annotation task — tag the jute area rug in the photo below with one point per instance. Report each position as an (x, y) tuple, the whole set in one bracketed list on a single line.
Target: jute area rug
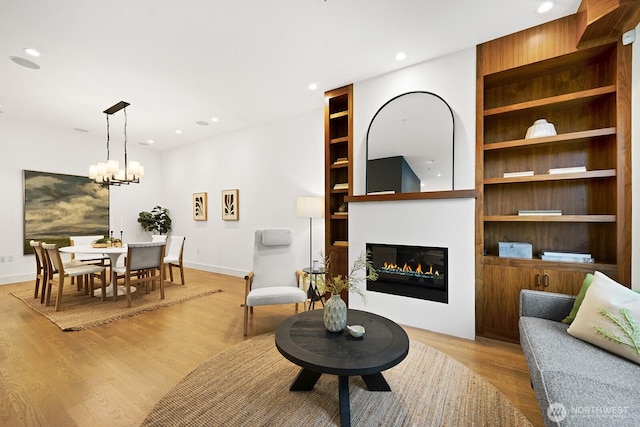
[(78, 311), (248, 385)]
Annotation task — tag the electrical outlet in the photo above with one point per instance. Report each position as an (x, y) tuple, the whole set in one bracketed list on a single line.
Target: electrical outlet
[(2, 258), (9, 258), (198, 251)]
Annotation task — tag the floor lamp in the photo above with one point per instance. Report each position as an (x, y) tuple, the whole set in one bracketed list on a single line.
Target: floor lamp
[(310, 207)]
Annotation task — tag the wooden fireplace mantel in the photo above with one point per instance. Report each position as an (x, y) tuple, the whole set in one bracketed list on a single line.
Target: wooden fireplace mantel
[(454, 194)]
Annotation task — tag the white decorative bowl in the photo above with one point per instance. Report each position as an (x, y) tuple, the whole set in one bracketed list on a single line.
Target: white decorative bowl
[(541, 128), (356, 331)]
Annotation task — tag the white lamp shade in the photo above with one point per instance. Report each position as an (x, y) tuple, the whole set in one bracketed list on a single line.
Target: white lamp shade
[(93, 171), (310, 207), (112, 167)]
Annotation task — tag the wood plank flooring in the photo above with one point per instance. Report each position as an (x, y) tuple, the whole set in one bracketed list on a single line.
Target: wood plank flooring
[(112, 375)]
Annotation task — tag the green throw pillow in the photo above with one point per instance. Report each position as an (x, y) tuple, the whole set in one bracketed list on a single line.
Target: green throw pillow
[(576, 305)]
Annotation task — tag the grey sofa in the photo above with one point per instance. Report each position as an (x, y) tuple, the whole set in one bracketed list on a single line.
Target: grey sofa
[(576, 383)]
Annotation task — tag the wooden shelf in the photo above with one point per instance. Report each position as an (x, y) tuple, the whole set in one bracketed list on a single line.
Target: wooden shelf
[(569, 98), (339, 114), (586, 94), (339, 140), (338, 137), (540, 263), (550, 218), (567, 137), (606, 173)]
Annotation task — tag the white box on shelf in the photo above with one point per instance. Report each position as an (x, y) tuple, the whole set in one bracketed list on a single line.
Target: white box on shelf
[(515, 250)]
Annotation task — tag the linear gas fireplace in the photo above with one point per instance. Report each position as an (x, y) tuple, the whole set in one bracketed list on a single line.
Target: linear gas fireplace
[(410, 271)]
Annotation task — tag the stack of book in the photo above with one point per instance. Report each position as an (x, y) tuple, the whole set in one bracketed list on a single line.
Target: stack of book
[(341, 161), (341, 186), (517, 174), (573, 169), (539, 212), (564, 256)]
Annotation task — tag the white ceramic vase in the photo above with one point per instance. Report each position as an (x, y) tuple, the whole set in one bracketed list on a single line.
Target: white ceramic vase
[(335, 314)]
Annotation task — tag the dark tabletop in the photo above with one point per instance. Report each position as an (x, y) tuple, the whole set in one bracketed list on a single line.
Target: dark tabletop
[(305, 341)]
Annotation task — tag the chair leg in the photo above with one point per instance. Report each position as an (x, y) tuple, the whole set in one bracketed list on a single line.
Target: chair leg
[(161, 278), (103, 285), (35, 293), (45, 283), (181, 274), (171, 272), (127, 286), (246, 319), (59, 297)]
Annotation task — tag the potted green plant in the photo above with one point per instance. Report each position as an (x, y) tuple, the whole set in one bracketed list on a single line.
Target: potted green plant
[(157, 221), (335, 310)]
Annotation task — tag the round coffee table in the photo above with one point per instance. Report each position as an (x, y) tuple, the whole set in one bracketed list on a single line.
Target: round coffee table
[(305, 341)]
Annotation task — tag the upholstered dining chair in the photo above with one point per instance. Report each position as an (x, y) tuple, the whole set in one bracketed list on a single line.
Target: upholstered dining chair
[(42, 271), (174, 257), (83, 272), (273, 279), (144, 265)]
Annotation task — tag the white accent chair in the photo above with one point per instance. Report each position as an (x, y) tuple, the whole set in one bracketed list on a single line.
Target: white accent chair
[(80, 258), (174, 257), (144, 265), (274, 279)]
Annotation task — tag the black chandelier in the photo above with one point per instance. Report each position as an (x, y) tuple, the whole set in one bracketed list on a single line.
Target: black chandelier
[(109, 172)]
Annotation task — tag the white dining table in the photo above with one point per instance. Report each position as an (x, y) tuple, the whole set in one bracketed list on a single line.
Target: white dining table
[(113, 253)]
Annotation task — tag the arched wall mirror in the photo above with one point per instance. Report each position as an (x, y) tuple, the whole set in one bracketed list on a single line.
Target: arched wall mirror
[(410, 144)]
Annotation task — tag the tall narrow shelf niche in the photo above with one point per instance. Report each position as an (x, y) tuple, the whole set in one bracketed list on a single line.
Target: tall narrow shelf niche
[(338, 122), (586, 94)]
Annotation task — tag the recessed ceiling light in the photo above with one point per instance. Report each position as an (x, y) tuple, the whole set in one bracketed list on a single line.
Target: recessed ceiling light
[(313, 86), (147, 142), (24, 62), (401, 56), (202, 123), (31, 51), (178, 131), (545, 7), (80, 130), (214, 119)]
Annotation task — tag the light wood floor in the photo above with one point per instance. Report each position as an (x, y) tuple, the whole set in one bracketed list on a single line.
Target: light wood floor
[(112, 375)]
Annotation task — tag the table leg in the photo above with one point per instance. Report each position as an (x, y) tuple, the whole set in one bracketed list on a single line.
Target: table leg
[(376, 382), (305, 380), (345, 406)]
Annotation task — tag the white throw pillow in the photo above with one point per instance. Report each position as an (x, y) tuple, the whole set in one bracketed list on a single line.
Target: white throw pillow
[(609, 318)]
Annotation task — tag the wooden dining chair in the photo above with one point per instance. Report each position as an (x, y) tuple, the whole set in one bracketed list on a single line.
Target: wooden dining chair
[(42, 272), (144, 265), (84, 273), (174, 257)]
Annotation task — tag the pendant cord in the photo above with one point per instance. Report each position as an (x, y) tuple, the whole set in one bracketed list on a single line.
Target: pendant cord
[(126, 163), (107, 137)]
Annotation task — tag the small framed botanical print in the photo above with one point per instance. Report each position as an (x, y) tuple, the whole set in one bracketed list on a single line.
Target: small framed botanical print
[(199, 206), (230, 206)]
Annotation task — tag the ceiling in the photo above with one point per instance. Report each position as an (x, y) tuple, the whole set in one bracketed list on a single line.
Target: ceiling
[(245, 62)]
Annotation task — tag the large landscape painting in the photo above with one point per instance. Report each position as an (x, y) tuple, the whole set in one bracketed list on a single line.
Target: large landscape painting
[(57, 206)]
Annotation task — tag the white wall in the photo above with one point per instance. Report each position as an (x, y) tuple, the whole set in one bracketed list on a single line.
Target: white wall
[(445, 223), (26, 146), (271, 165)]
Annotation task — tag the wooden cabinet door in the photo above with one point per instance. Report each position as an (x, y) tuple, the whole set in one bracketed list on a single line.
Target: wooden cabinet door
[(562, 281), (501, 306), (502, 285)]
